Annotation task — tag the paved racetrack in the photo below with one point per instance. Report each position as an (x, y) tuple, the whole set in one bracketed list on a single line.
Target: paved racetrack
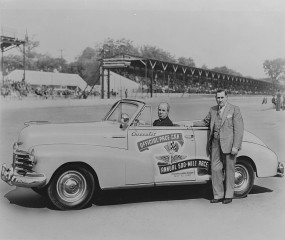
[(163, 213)]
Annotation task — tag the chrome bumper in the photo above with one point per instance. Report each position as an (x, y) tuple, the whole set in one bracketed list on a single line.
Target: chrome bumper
[(31, 179), (280, 169)]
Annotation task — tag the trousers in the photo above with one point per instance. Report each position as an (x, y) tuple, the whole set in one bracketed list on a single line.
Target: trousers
[(223, 171)]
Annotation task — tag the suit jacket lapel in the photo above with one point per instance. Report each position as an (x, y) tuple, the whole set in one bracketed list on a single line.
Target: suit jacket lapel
[(225, 113), (213, 118)]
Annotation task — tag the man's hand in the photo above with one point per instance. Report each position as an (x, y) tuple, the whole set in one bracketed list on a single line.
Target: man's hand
[(234, 151)]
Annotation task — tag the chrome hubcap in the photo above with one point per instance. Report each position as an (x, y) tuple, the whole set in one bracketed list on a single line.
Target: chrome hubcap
[(71, 186), (241, 177)]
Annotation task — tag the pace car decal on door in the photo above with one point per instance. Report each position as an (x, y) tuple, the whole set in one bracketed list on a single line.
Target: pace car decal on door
[(147, 143), (182, 165), (172, 148), (173, 154), (174, 162)]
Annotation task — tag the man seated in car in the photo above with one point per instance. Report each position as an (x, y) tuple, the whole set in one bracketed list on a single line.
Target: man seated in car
[(163, 119)]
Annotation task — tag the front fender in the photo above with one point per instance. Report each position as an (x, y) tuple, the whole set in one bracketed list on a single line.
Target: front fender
[(265, 160), (108, 163)]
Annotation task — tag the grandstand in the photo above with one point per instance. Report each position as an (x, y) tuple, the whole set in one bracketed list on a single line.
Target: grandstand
[(161, 76)]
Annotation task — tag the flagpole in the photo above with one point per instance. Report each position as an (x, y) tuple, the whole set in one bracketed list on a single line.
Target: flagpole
[(24, 52), (24, 49)]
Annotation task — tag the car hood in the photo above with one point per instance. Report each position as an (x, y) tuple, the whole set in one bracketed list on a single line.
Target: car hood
[(249, 137), (94, 133)]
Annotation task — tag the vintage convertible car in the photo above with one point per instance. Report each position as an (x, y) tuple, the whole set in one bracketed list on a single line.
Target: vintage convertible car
[(72, 162)]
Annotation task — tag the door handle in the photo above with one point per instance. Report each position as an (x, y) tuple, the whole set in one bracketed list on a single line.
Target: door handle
[(191, 136), (118, 136)]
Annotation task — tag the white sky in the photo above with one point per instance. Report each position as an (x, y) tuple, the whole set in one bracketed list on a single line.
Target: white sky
[(239, 34)]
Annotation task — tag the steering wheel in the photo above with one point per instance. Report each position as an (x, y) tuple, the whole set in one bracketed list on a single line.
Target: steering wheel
[(138, 122)]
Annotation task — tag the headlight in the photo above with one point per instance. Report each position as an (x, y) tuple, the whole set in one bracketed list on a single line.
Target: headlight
[(15, 146), (33, 157)]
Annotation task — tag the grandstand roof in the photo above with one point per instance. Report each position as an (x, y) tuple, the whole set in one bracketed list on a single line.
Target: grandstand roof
[(126, 60), (47, 78)]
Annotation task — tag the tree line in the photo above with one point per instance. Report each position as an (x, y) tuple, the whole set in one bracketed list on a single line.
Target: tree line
[(88, 62)]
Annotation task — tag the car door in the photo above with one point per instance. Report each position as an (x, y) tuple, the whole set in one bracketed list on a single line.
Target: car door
[(161, 155), (173, 154), (201, 137)]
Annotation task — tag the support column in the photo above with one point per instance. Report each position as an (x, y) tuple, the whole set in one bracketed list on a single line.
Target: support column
[(174, 74), (184, 77), (151, 82), (152, 64), (108, 90), (146, 72), (168, 82), (2, 65), (102, 82), (164, 68), (24, 60)]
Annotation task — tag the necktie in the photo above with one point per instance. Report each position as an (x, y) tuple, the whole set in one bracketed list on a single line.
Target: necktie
[(219, 111)]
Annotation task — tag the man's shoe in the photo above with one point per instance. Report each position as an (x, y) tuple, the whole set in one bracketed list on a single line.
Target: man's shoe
[(227, 200), (216, 200)]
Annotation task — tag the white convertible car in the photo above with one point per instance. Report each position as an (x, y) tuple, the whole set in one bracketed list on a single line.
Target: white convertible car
[(70, 163)]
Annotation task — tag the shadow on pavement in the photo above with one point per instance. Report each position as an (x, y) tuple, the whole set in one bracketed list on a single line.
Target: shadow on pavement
[(125, 196), (29, 199), (258, 189), (267, 108)]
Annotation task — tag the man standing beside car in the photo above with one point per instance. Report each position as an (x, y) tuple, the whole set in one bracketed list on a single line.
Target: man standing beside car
[(225, 138)]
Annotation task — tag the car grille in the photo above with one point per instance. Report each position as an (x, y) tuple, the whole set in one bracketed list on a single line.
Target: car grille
[(22, 162)]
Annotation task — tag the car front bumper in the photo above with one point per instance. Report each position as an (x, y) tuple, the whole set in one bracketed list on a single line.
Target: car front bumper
[(30, 179), (280, 169)]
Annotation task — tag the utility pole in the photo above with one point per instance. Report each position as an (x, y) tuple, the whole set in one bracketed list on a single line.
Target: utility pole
[(2, 66), (61, 59), (24, 61), (61, 51)]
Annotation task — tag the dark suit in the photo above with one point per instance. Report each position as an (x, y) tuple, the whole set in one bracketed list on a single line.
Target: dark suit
[(226, 132), (163, 122)]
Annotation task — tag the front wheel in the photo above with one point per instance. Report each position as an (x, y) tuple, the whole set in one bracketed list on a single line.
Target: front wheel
[(244, 178), (71, 187)]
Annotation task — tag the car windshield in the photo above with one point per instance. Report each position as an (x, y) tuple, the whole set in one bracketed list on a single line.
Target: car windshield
[(127, 110)]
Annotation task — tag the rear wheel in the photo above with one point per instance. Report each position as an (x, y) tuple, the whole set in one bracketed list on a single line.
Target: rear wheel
[(71, 187), (244, 178)]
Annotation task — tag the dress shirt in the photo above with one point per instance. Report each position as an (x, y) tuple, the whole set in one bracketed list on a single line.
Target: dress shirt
[(221, 110)]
